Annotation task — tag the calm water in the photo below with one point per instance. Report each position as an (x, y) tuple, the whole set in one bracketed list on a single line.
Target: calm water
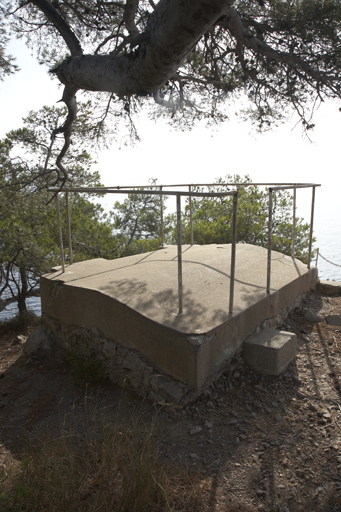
[(33, 304), (329, 244)]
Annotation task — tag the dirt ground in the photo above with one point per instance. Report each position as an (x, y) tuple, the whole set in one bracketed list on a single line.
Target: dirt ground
[(256, 443)]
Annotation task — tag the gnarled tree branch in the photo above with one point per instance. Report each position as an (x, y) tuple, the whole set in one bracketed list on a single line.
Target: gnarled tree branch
[(60, 25), (173, 28)]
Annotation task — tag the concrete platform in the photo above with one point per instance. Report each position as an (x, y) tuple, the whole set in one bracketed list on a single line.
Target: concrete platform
[(133, 302)]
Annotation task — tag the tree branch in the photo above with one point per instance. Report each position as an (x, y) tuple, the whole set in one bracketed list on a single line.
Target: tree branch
[(60, 25), (234, 24), (129, 16), (173, 28), (69, 98)]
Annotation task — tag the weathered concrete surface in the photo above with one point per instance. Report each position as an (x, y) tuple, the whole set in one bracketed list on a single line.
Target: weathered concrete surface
[(270, 351), (133, 301)]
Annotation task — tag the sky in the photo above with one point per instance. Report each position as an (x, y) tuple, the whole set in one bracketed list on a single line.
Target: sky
[(201, 155)]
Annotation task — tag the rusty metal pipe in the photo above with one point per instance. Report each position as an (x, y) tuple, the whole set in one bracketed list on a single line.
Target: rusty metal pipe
[(60, 234), (178, 224), (268, 280), (293, 225), (68, 227), (311, 226), (233, 251)]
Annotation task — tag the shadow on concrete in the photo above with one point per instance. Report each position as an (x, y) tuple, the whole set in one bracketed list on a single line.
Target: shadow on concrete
[(145, 302)]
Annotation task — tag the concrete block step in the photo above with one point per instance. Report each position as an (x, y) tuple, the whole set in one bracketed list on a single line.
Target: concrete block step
[(270, 351)]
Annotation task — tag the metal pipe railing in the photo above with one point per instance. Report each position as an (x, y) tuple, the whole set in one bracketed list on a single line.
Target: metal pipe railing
[(231, 184), (179, 229), (293, 225), (190, 214), (275, 186), (179, 241), (233, 251), (161, 214), (60, 235), (68, 227), (311, 225), (190, 194), (268, 273), (287, 187)]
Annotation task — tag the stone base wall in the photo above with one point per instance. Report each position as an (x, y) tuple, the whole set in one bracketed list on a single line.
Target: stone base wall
[(121, 365), (129, 368)]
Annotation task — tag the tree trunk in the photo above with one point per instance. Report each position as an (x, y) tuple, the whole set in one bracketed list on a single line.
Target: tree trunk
[(172, 30), (22, 295)]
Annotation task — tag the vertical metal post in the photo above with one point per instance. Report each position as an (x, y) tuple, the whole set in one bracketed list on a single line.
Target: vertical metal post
[(178, 225), (233, 251), (161, 213), (68, 226), (60, 234), (190, 214), (268, 280), (293, 225), (311, 226)]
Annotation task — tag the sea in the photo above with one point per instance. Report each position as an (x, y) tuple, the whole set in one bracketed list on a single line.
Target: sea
[(329, 255), (33, 304)]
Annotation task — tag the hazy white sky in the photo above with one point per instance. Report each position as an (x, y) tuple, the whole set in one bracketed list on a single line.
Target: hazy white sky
[(202, 154)]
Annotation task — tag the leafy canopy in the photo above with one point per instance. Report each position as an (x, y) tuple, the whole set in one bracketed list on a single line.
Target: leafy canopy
[(137, 222), (189, 57), (138, 229), (29, 243)]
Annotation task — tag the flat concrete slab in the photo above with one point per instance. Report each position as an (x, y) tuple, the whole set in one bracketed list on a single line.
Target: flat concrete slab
[(134, 302), (270, 351)]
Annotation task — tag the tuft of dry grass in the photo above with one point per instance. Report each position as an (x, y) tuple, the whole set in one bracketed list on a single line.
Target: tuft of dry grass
[(116, 469)]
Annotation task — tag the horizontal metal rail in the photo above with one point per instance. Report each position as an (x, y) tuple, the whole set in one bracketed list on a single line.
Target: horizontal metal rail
[(162, 193), (159, 190), (227, 184), (293, 187), (148, 192)]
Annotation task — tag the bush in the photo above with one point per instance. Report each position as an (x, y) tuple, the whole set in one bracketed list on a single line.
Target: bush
[(21, 322)]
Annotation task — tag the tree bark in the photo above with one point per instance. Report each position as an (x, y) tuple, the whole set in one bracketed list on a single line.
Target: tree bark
[(22, 294), (172, 30)]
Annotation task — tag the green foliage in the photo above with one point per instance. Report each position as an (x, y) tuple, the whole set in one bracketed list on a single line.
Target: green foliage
[(29, 238), (33, 149), (7, 65), (27, 247), (91, 230), (29, 244), (280, 55), (137, 222), (212, 219), (307, 19)]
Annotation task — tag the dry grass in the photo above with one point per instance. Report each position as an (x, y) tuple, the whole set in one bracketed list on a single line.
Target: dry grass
[(106, 469), (116, 469)]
